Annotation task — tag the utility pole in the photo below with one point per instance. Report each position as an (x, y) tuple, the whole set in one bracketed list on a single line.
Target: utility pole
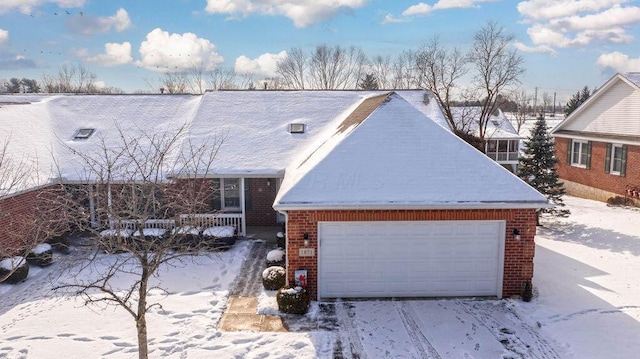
[(535, 103), (554, 104)]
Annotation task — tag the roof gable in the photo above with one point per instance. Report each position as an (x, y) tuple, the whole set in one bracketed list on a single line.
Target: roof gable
[(611, 112), (399, 157), (498, 125)]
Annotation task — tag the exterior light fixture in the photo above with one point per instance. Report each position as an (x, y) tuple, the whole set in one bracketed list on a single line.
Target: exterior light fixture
[(516, 234), (306, 239)]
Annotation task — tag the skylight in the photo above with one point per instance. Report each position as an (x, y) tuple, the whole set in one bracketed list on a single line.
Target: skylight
[(296, 127), (84, 133)]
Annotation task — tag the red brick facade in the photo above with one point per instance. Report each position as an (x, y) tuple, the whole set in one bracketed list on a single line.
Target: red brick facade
[(518, 262), (596, 176), (28, 219), (260, 194)]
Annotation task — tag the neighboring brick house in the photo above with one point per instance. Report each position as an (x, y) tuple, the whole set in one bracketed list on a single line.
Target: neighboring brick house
[(598, 145), (379, 197)]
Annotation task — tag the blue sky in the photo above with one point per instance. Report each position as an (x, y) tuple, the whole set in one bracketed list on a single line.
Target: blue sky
[(566, 44)]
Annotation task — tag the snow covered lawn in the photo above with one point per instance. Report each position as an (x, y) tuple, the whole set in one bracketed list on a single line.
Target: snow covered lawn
[(587, 305)]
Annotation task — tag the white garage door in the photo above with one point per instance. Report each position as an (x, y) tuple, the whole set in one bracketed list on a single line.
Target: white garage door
[(410, 259)]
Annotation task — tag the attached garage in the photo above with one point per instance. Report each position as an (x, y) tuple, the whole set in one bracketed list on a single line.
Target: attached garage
[(410, 258)]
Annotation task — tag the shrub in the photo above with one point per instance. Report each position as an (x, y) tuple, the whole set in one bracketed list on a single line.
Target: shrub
[(275, 258), (293, 300), (280, 240), (41, 255), (17, 265), (274, 278), (527, 293)]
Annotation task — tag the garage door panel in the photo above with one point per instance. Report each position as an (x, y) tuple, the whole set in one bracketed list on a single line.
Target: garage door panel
[(419, 258)]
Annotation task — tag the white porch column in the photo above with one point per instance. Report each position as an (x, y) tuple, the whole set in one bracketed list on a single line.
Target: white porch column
[(242, 207)]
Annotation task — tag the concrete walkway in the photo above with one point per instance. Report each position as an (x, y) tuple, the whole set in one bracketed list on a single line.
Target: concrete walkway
[(242, 307)]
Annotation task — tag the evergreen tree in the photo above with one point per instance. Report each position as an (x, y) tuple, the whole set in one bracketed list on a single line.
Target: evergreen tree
[(538, 168), (577, 99), (369, 82)]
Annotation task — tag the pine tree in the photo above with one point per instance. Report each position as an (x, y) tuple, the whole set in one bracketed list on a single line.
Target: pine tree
[(577, 99), (538, 168), (368, 82)]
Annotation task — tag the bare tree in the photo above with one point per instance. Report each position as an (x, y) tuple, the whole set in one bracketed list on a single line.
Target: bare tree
[(70, 79), (547, 101), (381, 68), (496, 67), (292, 69), (197, 74), (136, 178), (522, 101), (332, 68), (221, 78), (404, 71), (439, 70), (24, 229), (175, 82)]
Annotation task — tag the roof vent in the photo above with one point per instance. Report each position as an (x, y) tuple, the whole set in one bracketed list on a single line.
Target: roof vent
[(84, 133), (495, 123), (296, 128)]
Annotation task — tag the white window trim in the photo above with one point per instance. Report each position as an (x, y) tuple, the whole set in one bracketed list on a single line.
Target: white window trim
[(222, 196), (612, 159), (583, 144)]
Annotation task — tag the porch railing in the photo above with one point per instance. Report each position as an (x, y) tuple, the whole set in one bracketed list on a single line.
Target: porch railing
[(205, 220)]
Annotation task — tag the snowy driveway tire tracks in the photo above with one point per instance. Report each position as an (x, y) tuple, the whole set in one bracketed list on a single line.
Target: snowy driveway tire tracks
[(422, 345)]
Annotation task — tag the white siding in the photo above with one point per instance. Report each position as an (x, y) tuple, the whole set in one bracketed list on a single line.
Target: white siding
[(617, 111)]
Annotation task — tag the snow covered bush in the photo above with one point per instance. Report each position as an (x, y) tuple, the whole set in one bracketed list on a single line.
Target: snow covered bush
[(280, 240), (15, 269), (293, 300), (273, 278), (41, 255), (275, 258)]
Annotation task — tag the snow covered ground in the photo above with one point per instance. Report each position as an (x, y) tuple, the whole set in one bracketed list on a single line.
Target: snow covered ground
[(587, 305)]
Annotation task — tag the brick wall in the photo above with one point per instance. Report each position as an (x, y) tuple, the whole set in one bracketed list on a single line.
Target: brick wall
[(260, 195), (596, 176), (28, 219), (518, 262)]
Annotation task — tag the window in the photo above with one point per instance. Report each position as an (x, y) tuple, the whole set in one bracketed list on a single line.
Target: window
[(616, 160), (230, 193), (580, 155), (83, 133)]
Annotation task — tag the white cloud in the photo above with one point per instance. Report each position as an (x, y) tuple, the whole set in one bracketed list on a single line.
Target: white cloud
[(572, 23), (390, 19), (542, 49), (114, 54), (4, 36), (619, 62), (89, 25), (553, 9), (174, 52), (264, 65), (302, 12), (25, 6), (422, 9)]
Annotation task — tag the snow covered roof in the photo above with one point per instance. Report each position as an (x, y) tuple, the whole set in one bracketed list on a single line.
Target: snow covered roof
[(609, 114), (387, 154), (498, 126), (253, 125)]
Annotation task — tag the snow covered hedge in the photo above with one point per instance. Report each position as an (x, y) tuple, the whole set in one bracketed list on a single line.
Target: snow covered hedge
[(15, 269), (41, 255), (275, 258), (274, 278), (293, 300)]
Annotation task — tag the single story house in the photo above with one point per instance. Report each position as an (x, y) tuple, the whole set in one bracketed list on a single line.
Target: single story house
[(502, 140), (379, 197), (598, 144)]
